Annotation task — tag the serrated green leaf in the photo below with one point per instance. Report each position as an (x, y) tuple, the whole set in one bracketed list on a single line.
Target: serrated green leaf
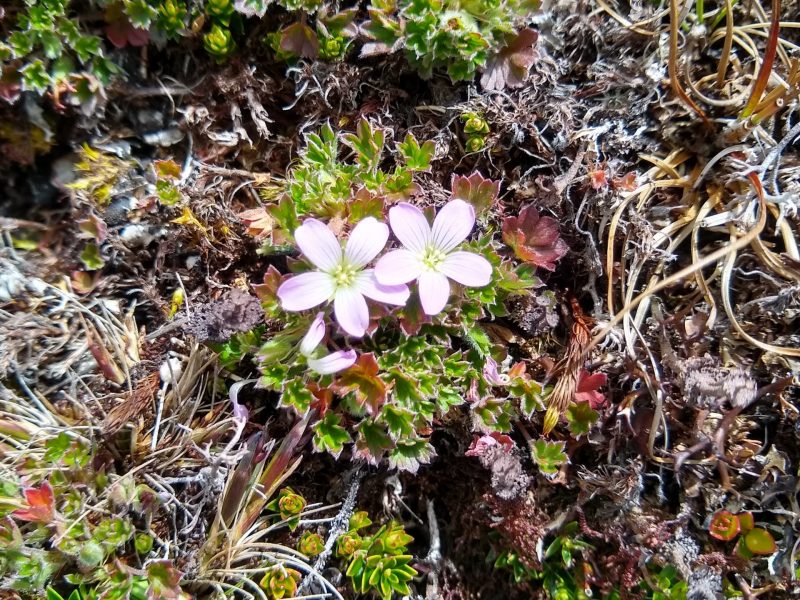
[(86, 46), (549, 456), (329, 435), (21, 43), (478, 339), (581, 417), (398, 420), (409, 454), (34, 77), (372, 441), (62, 68), (140, 13), (91, 258), (51, 44), (296, 395), (56, 447), (168, 193)]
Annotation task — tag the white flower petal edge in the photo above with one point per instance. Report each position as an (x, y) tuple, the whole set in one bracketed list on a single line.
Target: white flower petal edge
[(452, 225), (305, 291), (410, 226), (434, 291), (314, 335), (351, 311), (317, 242), (366, 241), (333, 363), (388, 294), (398, 266), (467, 268)]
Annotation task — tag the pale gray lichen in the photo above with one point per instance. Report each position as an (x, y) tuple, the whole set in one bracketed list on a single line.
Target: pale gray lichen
[(236, 312), (704, 583), (509, 479), (707, 385)]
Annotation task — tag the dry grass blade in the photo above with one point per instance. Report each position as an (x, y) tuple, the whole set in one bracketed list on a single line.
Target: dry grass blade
[(690, 270), (766, 65), (569, 370), (133, 404), (672, 65)]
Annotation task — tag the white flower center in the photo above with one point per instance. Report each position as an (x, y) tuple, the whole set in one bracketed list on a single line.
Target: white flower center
[(432, 258), (344, 275)]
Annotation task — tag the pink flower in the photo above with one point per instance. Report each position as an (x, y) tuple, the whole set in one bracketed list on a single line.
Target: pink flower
[(331, 363), (587, 389), (492, 375), (341, 276), (429, 256)]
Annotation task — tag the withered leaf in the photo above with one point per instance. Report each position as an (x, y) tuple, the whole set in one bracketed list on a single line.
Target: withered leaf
[(299, 39), (510, 66), (258, 221), (534, 239), (362, 379), (134, 404), (476, 190)]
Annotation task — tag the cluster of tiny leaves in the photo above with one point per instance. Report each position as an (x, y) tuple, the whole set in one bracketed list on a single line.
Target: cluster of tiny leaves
[(562, 573), (48, 49), (54, 534), (412, 370), (454, 35), (378, 561), (324, 185)]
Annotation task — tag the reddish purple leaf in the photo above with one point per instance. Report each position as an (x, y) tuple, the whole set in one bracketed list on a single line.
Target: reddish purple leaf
[(477, 190), (121, 33), (300, 40), (510, 66), (362, 378), (164, 580), (10, 87), (480, 445), (724, 526), (534, 239), (587, 389)]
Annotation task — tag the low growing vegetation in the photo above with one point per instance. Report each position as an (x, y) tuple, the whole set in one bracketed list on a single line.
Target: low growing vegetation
[(441, 299)]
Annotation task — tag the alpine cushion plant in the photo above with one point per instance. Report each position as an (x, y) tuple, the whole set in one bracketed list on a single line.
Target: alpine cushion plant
[(429, 254), (341, 276), (381, 379)]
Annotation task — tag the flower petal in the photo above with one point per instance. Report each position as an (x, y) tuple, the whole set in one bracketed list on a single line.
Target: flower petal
[(318, 243), (467, 268), (492, 375), (398, 266), (314, 336), (453, 224), (351, 311), (333, 363), (388, 294), (305, 290), (410, 226), (366, 241), (434, 290)]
